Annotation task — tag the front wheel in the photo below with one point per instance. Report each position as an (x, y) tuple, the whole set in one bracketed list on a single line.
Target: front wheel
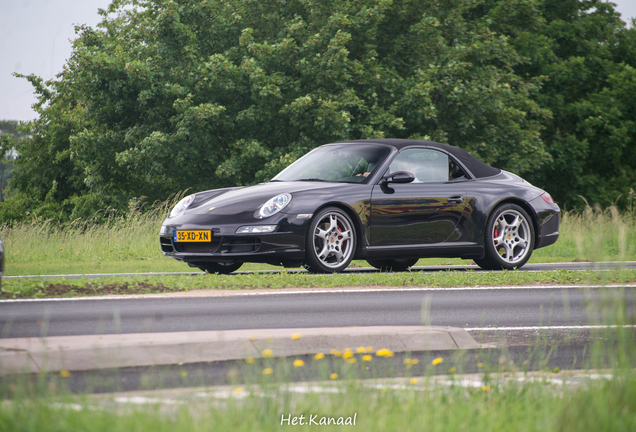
[(509, 239), (395, 265), (331, 241), (221, 268)]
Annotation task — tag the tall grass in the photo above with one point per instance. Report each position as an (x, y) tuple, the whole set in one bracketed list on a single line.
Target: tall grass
[(594, 235), (129, 243)]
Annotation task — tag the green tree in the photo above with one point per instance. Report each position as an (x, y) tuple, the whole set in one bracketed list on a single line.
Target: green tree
[(586, 57), (166, 95)]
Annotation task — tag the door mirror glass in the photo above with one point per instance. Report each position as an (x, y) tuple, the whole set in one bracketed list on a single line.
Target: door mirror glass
[(400, 177)]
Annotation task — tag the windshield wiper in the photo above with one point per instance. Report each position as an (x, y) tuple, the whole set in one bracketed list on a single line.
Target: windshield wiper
[(312, 179)]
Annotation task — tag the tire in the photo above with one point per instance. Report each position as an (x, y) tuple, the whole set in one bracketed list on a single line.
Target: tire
[(509, 239), (395, 265), (331, 241), (221, 268)]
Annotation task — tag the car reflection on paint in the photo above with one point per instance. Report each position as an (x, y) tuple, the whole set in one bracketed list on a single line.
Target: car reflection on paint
[(390, 202)]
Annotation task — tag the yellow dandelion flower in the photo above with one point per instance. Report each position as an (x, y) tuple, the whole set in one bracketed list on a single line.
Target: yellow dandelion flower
[(65, 374), (413, 380), (437, 361), (335, 353), (269, 339), (361, 350), (250, 360), (384, 353), (369, 349), (267, 371), (333, 376), (452, 370), (485, 388), (351, 360), (367, 358), (238, 390), (184, 374), (295, 336), (347, 354), (319, 356), (479, 365), (299, 363), (267, 352), (253, 337)]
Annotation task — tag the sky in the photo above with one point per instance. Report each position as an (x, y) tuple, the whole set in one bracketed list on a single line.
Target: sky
[(35, 38)]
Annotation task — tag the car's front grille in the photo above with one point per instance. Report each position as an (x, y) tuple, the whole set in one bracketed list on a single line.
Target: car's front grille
[(242, 245), (205, 247)]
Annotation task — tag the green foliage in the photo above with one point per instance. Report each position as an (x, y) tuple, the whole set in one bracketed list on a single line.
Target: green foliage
[(165, 95), (586, 57)]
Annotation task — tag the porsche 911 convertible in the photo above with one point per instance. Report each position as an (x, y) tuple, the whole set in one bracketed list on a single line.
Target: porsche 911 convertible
[(387, 201)]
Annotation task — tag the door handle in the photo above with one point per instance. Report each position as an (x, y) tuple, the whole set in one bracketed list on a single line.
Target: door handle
[(457, 199)]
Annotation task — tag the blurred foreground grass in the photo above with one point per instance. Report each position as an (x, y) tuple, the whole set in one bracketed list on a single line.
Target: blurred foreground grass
[(129, 243), (430, 392), (601, 405)]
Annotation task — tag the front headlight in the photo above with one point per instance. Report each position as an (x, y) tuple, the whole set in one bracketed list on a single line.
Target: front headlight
[(274, 205), (182, 206)]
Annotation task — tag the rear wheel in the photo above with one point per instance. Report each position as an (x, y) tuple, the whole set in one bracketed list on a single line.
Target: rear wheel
[(331, 241), (509, 239), (395, 265), (221, 268)]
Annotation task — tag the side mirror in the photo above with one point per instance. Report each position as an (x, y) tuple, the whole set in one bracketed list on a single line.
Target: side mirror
[(399, 177)]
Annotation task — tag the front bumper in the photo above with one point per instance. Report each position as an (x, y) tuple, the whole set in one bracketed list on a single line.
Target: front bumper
[(286, 245)]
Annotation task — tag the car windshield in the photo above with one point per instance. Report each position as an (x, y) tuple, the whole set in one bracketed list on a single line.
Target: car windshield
[(347, 163)]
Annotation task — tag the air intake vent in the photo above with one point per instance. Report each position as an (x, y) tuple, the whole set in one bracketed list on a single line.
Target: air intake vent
[(207, 247), (242, 245)]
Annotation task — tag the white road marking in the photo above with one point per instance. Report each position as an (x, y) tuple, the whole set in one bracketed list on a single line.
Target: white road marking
[(571, 327), (230, 293)]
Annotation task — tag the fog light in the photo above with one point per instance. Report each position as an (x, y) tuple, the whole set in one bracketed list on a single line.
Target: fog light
[(164, 230), (257, 229)]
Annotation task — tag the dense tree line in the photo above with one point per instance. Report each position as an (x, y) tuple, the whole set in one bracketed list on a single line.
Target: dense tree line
[(166, 95)]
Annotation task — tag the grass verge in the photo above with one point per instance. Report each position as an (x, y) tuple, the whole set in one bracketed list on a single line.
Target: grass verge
[(46, 287)]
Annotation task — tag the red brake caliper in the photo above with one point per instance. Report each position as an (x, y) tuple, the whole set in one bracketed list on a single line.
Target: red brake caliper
[(495, 234)]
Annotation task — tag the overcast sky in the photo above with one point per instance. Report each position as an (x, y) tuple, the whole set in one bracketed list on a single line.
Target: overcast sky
[(34, 38)]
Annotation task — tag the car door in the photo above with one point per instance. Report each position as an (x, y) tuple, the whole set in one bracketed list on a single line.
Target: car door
[(423, 212)]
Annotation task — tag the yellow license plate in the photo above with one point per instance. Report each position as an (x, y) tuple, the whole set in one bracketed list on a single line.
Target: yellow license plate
[(192, 236)]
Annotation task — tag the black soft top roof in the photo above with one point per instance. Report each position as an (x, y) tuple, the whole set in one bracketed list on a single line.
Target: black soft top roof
[(478, 168)]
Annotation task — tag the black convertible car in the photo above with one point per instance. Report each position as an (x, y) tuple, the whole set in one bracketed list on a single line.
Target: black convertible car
[(387, 201)]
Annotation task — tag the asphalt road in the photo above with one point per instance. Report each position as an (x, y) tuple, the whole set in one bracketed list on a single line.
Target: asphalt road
[(467, 308)]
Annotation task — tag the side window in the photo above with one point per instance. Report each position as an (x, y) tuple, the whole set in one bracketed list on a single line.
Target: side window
[(428, 166), (455, 171)]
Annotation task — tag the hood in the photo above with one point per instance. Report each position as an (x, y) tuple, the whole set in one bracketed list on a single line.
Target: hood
[(251, 198)]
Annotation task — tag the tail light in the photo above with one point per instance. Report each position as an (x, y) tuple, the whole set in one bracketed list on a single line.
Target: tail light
[(547, 198)]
